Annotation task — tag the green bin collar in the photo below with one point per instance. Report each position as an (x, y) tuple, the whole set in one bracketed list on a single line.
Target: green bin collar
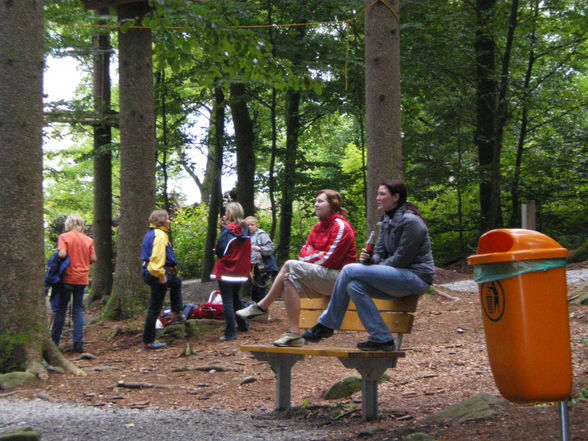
[(505, 270)]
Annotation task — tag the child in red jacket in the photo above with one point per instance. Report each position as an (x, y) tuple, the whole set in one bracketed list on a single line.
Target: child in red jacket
[(232, 267)]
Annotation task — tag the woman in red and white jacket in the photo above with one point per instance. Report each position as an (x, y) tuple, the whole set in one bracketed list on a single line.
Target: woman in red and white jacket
[(329, 247), (232, 267)]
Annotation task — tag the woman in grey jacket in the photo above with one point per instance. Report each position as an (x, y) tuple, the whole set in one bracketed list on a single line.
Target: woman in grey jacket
[(402, 265)]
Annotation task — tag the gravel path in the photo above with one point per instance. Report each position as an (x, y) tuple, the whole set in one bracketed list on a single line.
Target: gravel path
[(574, 278), (65, 422)]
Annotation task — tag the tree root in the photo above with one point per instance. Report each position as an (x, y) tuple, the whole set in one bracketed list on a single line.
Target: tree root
[(46, 350)]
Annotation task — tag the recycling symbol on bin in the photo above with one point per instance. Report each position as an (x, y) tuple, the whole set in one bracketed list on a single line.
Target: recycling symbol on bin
[(493, 300)]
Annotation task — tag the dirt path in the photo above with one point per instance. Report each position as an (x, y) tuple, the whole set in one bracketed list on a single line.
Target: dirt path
[(445, 364)]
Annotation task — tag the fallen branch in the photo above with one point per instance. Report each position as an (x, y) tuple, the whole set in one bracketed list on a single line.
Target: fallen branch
[(578, 292), (349, 412), (443, 293), (134, 385)]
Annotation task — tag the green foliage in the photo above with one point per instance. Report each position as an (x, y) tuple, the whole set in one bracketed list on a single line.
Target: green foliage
[(451, 218), (12, 351), (200, 46), (189, 236)]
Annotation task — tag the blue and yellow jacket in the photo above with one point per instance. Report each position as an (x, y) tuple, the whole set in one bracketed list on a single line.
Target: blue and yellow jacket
[(157, 253)]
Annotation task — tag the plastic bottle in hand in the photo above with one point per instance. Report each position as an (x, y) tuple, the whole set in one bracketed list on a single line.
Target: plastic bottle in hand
[(370, 245)]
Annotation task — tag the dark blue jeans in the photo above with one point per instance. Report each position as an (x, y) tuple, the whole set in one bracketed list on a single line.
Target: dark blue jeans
[(158, 290), (65, 294), (231, 304)]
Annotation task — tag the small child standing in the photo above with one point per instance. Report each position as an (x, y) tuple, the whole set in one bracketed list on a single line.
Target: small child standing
[(232, 267)]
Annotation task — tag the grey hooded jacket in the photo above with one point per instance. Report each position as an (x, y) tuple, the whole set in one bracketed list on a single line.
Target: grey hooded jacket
[(404, 242)]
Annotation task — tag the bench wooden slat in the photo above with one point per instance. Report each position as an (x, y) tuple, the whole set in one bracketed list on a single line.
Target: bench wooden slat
[(323, 351), (400, 304), (398, 322)]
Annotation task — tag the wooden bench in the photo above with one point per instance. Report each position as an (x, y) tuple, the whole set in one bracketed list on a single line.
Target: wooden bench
[(371, 365)]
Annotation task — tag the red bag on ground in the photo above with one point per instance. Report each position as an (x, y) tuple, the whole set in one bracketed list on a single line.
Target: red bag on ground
[(213, 309)]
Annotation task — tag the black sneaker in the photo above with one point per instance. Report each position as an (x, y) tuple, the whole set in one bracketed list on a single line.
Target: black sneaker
[(377, 346), (78, 347), (317, 333)]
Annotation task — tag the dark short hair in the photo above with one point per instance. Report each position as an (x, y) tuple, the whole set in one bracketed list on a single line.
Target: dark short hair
[(398, 187)]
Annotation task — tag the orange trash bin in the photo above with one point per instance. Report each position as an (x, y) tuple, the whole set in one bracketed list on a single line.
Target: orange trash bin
[(523, 292)]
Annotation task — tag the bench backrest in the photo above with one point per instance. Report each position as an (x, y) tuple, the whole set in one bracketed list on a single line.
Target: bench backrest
[(397, 313)]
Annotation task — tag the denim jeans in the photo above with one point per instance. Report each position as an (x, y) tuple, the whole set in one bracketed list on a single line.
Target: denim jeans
[(361, 283), (231, 304), (158, 290), (65, 295)]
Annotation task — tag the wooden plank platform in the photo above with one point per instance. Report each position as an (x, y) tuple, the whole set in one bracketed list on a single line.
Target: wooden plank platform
[(323, 351)]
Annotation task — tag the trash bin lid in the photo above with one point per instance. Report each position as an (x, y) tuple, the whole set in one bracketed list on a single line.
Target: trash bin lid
[(515, 244)]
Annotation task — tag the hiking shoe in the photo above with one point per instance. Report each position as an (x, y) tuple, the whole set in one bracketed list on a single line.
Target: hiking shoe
[(155, 345), (78, 347), (377, 346), (317, 333), (227, 338), (251, 311), (290, 339)]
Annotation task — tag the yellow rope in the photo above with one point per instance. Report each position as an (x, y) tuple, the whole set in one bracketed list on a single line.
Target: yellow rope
[(347, 23)]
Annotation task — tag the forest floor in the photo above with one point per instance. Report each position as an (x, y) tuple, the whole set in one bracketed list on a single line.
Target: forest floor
[(445, 364)]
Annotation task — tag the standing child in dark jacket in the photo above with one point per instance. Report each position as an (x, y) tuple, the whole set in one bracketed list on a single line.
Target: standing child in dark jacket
[(232, 267), (159, 272)]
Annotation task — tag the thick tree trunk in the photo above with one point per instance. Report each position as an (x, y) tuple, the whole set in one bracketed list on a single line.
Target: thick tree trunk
[(137, 153), (289, 175), (245, 143), (382, 87), (24, 332), (102, 227), (216, 161), (486, 111)]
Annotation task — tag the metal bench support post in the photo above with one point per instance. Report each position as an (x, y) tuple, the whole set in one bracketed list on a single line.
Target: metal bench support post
[(371, 370), (281, 364)]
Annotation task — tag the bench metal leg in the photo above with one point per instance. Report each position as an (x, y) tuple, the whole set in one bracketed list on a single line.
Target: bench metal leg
[(281, 364), (371, 370)]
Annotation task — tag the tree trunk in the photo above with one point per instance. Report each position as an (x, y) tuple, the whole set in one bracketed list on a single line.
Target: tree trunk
[(137, 152), (24, 331), (272, 165), (382, 87), (215, 180), (289, 176), (515, 215), (273, 117), (245, 143), (102, 227), (486, 107)]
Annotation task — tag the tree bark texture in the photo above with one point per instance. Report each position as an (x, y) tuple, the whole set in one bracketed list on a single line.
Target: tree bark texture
[(102, 270), (245, 143), (24, 331), (382, 84), (289, 176), (215, 173), (137, 153), (486, 114)]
